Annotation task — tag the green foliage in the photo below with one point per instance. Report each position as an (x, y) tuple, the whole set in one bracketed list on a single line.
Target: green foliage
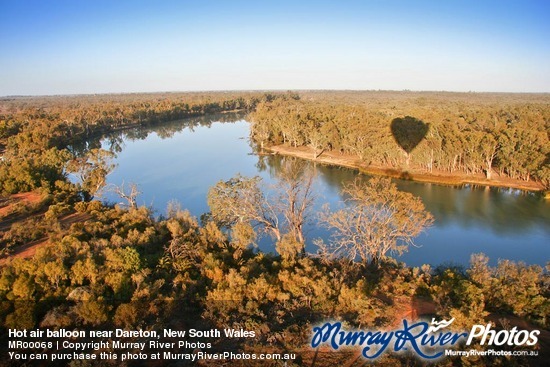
[(124, 268), (92, 170), (40, 134), (452, 133), (91, 313), (379, 219), (509, 288), (33, 170), (23, 317), (283, 214), (289, 249), (25, 232), (56, 210), (239, 199)]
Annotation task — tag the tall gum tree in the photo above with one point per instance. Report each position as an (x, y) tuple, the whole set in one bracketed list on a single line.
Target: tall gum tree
[(378, 219), (282, 213)]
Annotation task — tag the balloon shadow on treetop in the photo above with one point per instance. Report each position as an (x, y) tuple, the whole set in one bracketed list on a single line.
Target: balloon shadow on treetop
[(408, 132)]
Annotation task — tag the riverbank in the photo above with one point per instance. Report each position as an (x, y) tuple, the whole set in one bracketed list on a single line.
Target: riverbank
[(437, 177)]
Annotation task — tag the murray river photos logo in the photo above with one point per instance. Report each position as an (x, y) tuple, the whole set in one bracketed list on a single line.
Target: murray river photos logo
[(428, 341)]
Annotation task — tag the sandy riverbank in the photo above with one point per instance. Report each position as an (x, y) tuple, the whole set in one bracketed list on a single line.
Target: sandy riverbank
[(351, 161)]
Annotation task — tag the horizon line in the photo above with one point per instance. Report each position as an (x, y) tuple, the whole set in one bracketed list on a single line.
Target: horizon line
[(263, 90)]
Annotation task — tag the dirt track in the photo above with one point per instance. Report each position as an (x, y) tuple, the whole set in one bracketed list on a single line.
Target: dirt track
[(7, 219)]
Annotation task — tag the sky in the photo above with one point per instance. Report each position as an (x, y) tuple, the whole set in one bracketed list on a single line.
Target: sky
[(80, 47)]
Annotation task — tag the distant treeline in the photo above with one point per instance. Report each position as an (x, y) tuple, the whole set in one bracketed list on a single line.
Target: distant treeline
[(463, 133), (35, 131), (46, 122), (119, 267)]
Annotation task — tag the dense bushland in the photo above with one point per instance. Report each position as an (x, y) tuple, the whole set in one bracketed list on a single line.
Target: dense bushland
[(35, 132), (123, 267), (467, 134)]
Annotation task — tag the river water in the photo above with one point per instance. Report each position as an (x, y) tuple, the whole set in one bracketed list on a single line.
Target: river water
[(182, 159)]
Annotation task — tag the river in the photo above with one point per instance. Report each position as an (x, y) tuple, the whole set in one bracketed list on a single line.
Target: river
[(179, 161)]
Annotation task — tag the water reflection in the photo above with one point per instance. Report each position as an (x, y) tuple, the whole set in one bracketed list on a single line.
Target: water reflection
[(115, 140), (182, 159), (502, 210)]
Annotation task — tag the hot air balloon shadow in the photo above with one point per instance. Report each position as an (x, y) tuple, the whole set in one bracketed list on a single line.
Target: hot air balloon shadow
[(408, 132)]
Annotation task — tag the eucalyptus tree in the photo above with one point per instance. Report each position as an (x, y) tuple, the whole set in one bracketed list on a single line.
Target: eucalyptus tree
[(280, 210), (378, 219), (92, 170)]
